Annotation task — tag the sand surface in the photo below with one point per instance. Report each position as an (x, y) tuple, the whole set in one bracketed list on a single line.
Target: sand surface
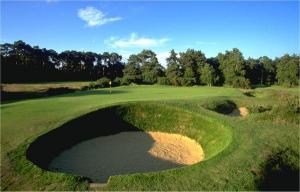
[(242, 111), (127, 152)]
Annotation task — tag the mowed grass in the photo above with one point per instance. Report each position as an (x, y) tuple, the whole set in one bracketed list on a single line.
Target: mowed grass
[(232, 169)]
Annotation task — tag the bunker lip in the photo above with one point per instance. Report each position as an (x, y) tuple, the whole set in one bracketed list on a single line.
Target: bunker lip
[(126, 153), (115, 120)]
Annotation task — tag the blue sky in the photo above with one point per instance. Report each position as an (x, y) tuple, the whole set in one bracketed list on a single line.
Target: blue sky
[(257, 28)]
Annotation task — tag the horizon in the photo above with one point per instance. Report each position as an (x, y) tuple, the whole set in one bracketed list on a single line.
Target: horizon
[(255, 28)]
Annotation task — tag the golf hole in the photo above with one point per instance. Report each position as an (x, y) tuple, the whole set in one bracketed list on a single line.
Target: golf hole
[(127, 152)]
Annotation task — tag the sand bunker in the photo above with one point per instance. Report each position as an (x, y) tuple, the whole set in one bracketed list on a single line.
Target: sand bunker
[(242, 111), (127, 152), (176, 148)]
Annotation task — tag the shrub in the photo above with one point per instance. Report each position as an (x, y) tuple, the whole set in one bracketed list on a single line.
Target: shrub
[(175, 81), (117, 81), (126, 80), (259, 108), (163, 81), (241, 82), (187, 81), (103, 82)]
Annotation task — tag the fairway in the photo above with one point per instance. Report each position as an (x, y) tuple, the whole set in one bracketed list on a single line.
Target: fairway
[(234, 146)]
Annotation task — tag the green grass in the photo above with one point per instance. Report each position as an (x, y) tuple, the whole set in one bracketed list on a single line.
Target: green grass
[(231, 164)]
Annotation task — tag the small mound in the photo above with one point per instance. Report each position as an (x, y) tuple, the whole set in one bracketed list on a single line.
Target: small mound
[(242, 111), (176, 148)]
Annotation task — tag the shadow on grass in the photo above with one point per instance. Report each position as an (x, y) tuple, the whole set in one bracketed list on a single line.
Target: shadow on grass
[(220, 106), (10, 97), (79, 147), (280, 172)]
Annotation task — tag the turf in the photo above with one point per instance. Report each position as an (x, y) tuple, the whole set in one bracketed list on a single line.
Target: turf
[(232, 163)]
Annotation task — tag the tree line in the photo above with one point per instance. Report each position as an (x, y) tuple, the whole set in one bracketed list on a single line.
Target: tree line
[(22, 63)]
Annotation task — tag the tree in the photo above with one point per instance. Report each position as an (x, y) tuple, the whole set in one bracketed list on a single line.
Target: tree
[(253, 69), (132, 70), (192, 61), (208, 75), (151, 69), (288, 70), (174, 69), (232, 64), (267, 70)]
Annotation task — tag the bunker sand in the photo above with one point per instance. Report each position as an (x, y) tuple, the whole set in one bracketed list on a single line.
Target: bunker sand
[(242, 111), (128, 152)]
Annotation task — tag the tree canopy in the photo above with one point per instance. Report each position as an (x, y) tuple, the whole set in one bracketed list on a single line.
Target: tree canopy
[(21, 62)]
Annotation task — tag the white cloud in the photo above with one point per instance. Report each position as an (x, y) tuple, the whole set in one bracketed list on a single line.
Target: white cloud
[(135, 41), (95, 17), (162, 56)]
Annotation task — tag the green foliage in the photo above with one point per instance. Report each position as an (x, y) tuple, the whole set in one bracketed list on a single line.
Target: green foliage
[(288, 70), (102, 82), (191, 62), (255, 108), (174, 68), (232, 64), (187, 81), (132, 71), (164, 81), (241, 82), (208, 75), (286, 110), (150, 67)]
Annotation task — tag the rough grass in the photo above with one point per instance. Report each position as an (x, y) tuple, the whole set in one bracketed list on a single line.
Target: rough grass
[(235, 167), (38, 87)]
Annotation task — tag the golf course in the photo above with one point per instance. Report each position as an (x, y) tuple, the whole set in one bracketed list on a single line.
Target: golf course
[(149, 95), (237, 150)]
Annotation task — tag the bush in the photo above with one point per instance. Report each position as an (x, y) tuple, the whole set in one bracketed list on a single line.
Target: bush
[(126, 80), (175, 81), (241, 82), (117, 81), (258, 108), (163, 81), (102, 82), (187, 81)]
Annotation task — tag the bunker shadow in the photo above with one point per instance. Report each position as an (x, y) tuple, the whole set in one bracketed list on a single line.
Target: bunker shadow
[(79, 147)]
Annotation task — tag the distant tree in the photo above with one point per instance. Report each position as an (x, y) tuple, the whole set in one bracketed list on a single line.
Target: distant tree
[(132, 70), (267, 73), (151, 69), (288, 70), (232, 64), (253, 69), (208, 75), (192, 61), (174, 68)]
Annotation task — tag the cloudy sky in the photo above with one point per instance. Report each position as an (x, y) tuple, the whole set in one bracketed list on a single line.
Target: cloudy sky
[(257, 28)]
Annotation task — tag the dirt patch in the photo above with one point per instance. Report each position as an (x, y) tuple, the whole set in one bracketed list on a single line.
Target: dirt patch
[(176, 148), (242, 111), (127, 152)]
